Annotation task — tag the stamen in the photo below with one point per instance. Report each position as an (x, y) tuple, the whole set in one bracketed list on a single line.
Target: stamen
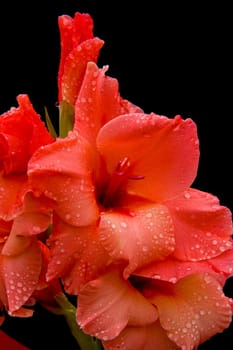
[(118, 181), (122, 167), (136, 177)]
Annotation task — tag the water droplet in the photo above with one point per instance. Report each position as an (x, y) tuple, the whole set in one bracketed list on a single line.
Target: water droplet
[(36, 229), (67, 216), (187, 195), (145, 248)]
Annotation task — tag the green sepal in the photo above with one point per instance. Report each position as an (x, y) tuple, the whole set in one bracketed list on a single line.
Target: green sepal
[(85, 341), (49, 124), (66, 118)]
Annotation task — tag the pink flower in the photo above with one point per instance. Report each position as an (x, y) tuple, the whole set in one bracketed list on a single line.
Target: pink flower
[(130, 236), (147, 254)]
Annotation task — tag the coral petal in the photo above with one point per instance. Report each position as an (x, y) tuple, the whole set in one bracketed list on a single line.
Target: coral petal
[(203, 227), (149, 337), (76, 255), (97, 102), (193, 310), (154, 145), (139, 239), (20, 274), (63, 172), (73, 31), (12, 193), (75, 66), (108, 304)]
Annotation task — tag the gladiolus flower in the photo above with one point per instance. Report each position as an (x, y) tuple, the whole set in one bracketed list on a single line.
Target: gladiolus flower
[(147, 254), (120, 182), (23, 216)]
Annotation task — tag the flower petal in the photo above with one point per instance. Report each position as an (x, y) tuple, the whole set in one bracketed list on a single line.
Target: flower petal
[(22, 132), (193, 310), (203, 227), (63, 172), (97, 102), (20, 275), (149, 337), (223, 263), (39, 133), (144, 235), (75, 66), (108, 304), (76, 255), (35, 219), (172, 270), (73, 31), (12, 193), (15, 244), (154, 146)]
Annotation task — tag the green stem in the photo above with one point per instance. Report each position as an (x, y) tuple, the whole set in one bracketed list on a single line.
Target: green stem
[(85, 341), (66, 118)]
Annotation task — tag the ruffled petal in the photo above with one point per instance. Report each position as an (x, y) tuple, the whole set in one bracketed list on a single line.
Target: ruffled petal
[(39, 133), (149, 337), (154, 147), (140, 237), (172, 270), (35, 219), (20, 275), (223, 263), (63, 173), (193, 310), (108, 304), (36, 216), (203, 227), (22, 132), (76, 255), (98, 102), (75, 66), (128, 107)]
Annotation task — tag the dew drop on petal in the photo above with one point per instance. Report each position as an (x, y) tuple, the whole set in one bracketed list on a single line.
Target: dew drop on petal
[(187, 195)]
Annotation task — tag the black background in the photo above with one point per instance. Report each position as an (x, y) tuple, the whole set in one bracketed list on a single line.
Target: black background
[(169, 59)]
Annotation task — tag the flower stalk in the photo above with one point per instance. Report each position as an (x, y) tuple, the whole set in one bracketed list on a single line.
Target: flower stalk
[(68, 310)]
